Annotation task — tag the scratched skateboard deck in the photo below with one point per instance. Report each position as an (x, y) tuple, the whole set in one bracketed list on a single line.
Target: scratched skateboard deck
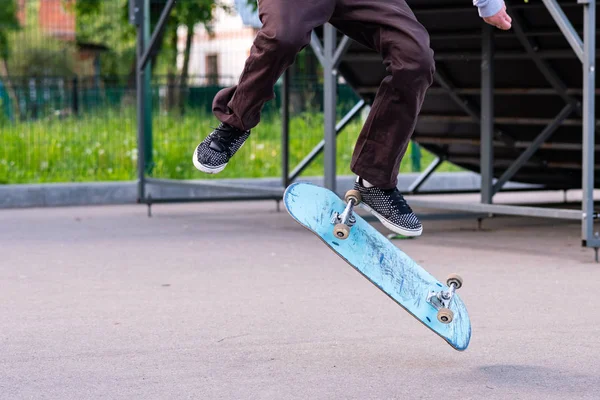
[(380, 261)]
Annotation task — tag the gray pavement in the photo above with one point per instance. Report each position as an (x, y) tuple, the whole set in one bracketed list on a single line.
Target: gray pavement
[(237, 301)]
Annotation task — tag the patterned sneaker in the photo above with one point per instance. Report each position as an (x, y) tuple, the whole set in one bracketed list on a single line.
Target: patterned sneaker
[(390, 207), (213, 154)]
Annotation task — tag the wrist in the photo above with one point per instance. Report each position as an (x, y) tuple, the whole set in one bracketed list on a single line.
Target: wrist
[(488, 8)]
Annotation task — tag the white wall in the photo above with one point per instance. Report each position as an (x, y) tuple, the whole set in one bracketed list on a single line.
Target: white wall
[(231, 43)]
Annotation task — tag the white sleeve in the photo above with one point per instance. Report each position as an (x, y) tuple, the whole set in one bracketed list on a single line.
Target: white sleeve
[(487, 8)]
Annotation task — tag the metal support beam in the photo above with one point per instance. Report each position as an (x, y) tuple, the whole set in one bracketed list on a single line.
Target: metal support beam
[(148, 154), (160, 26), (535, 145), (139, 18), (589, 239), (329, 55), (285, 128), (146, 45), (421, 179), (329, 104), (315, 44), (487, 114), (566, 27), (467, 107), (353, 113), (448, 88), (341, 50), (501, 120), (471, 56), (531, 47), (504, 209), (497, 91)]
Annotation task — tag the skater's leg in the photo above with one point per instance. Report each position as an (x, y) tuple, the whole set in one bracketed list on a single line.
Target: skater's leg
[(389, 27), (286, 30)]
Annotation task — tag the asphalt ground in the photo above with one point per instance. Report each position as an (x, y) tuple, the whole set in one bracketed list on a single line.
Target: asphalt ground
[(238, 301)]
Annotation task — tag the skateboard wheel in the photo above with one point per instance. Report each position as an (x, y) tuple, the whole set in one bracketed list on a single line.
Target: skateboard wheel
[(445, 315), (341, 231), (456, 279), (353, 194)]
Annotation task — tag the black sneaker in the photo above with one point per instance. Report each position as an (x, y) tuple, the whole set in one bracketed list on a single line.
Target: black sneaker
[(390, 207), (213, 154)]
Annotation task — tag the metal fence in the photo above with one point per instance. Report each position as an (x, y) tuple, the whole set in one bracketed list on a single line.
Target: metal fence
[(68, 94)]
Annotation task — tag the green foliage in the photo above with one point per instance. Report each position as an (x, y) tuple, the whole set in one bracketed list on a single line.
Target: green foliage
[(105, 23), (254, 4), (102, 147), (8, 23), (40, 56), (36, 54), (195, 11)]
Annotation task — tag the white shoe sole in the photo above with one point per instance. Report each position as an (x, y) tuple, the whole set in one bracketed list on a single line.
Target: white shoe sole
[(393, 227), (208, 170), (204, 168)]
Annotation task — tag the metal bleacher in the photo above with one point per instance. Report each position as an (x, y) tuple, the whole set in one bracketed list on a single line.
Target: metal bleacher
[(527, 98), (515, 105)]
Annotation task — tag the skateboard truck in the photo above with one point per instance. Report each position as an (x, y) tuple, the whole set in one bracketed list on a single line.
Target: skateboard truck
[(441, 300), (344, 221)]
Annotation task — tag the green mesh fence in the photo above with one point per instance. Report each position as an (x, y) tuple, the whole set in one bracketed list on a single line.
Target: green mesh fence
[(67, 94)]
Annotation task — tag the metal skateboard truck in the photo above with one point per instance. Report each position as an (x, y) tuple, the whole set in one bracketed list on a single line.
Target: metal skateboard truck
[(440, 300), (344, 221)]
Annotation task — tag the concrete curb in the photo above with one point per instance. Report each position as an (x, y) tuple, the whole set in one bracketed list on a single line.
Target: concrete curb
[(103, 193)]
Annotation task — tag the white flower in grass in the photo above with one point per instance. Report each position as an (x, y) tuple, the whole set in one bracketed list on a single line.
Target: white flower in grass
[(101, 151), (88, 151), (252, 156), (260, 146), (44, 165)]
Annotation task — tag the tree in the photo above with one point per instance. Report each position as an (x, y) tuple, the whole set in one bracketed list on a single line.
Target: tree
[(8, 23), (106, 23), (97, 21), (188, 14)]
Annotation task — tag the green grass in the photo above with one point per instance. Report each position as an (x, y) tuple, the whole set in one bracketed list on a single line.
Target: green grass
[(103, 147)]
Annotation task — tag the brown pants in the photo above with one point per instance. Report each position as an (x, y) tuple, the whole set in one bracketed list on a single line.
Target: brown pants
[(386, 26)]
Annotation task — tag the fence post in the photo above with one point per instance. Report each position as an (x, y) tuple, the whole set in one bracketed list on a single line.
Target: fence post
[(148, 159), (75, 95), (415, 157)]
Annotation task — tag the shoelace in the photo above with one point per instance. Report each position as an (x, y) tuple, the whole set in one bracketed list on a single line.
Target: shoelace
[(398, 200), (224, 137)]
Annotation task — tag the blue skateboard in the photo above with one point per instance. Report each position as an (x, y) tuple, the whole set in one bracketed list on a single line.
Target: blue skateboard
[(332, 219)]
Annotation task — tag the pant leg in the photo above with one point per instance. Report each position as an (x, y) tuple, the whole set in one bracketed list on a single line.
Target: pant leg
[(286, 30), (390, 28)]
